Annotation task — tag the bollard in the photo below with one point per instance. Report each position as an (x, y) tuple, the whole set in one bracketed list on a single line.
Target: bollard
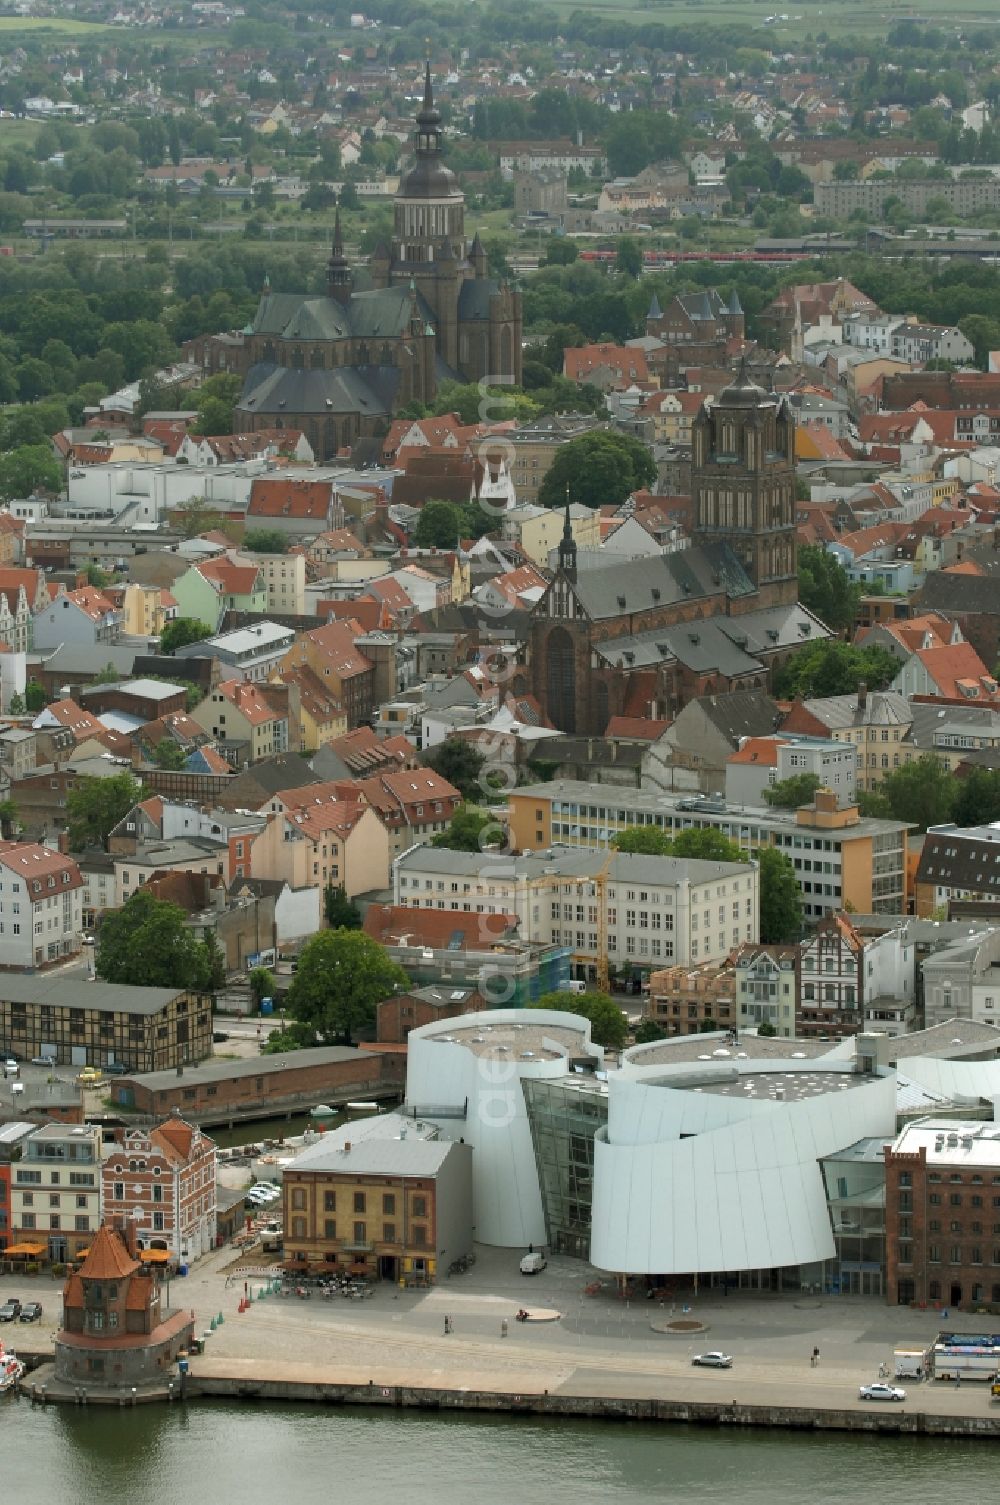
[(219, 1320)]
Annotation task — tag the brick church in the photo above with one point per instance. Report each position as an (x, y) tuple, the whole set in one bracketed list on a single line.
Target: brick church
[(340, 364), (642, 637)]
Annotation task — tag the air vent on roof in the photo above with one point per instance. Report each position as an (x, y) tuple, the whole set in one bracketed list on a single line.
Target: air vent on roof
[(656, 593), (621, 601)]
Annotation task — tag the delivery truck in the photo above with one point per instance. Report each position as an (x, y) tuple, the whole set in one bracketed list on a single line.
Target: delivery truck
[(960, 1357), (910, 1363)]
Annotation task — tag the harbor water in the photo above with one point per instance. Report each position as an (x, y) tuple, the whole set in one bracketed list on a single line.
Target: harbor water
[(256, 1455)]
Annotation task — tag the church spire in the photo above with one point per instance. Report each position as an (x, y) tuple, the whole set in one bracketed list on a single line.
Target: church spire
[(338, 273), (567, 545)]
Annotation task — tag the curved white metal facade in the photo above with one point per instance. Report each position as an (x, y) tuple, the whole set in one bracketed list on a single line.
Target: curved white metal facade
[(688, 1180), (480, 1059)]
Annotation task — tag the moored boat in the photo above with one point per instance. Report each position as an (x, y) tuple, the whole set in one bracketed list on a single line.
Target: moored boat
[(11, 1370)]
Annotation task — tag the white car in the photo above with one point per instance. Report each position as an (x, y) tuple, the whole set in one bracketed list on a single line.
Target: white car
[(714, 1360), (878, 1391)]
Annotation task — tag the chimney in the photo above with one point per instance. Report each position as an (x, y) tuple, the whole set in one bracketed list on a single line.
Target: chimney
[(862, 695), (347, 1146)]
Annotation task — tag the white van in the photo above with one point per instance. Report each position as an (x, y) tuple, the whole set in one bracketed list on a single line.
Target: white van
[(576, 987), (532, 1263)]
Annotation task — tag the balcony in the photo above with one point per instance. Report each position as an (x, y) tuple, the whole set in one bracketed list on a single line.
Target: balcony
[(357, 1246)]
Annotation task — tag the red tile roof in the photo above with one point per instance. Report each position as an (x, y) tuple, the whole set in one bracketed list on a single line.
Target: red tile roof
[(635, 728), (394, 925), (108, 1258), (282, 496)]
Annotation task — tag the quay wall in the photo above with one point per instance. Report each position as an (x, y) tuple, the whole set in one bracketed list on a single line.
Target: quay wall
[(597, 1407)]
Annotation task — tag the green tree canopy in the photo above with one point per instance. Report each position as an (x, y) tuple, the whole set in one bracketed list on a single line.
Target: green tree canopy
[(265, 541), (608, 1025), (629, 261), (181, 631), (600, 468), (460, 763), (788, 794), (263, 984), (825, 589), (977, 798), (169, 755), (194, 516), (439, 525), (341, 913), (341, 976), (780, 897), (96, 804), (469, 830), (829, 667), (31, 468), (921, 793), (702, 842), (148, 944)]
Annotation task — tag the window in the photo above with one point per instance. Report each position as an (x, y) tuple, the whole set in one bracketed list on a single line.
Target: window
[(118, 1192), (360, 1233), (419, 1207), (330, 1203), (389, 1204), (330, 1228), (298, 1199), (389, 1233), (359, 1201)]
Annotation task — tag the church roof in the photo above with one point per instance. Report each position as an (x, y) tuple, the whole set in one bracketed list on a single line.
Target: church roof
[(474, 297), (367, 315), (633, 585), (347, 389)]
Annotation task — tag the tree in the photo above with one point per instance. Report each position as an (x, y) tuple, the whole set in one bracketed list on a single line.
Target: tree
[(8, 818), (341, 976), (977, 798), (600, 468), (341, 912), (96, 804), (148, 944), (608, 1025), (181, 631), (194, 516), (829, 667), (34, 697), (460, 763), (921, 793), (98, 577), (788, 794), (766, 1029), (629, 258), (469, 830), (265, 541), (825, 589), (648, 1031), (169, 755), (31, 468), (439, 526), (650, 841), (780, 897), (560, 251), (706, 844), (702, 842), (17, 706), (262, 984)]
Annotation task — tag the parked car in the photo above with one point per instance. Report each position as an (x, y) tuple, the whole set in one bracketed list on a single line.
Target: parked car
[(31, 1311), (878, 1391), (10, 1309), (714, 1360), (48, 1061), (117, 1068), (533, 1263), (89, 1075), (10, 1066)]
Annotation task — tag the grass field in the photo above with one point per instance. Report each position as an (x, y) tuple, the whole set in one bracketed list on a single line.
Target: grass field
[(54, 23), (836, 17)]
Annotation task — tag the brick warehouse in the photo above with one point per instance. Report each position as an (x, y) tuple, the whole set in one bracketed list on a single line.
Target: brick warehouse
[(226, 1091), (942, 1215)]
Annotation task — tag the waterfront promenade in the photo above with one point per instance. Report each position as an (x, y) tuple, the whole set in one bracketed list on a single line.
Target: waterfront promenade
[(601, 1346)]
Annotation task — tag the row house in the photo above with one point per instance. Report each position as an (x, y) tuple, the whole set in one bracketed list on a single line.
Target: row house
[(347, 672), (212, 587), (84, 617), (315, 716), (244, 720), (23, 592), (336, 842), (163, 1182), (41, 906), (767, 987)]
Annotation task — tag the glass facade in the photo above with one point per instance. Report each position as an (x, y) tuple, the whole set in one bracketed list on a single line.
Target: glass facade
[(855, 1193), (564, 1116)]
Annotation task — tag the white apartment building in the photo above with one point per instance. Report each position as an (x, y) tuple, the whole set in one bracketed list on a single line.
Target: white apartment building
[(639, 911), (285, 579), (762, 762), (56, 1190), (41, 905)]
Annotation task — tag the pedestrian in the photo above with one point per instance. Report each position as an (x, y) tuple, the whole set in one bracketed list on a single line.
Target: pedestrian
[(815, 1357), (447, 1326), (503, 1327), (958, 1382), (246, 1288), (531, 1248), (812, 1359)]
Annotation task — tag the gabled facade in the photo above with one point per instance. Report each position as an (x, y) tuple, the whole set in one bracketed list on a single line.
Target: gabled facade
[(163, 1182)]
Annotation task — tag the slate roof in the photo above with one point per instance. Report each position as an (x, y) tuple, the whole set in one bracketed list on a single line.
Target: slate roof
[(628, 585), (474, 298), (284, 389)]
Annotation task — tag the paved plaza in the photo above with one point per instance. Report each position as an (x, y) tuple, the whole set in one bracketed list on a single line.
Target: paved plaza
[(602, 1345)]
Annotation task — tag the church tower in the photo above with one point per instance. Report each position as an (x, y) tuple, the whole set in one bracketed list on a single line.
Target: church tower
[(743, 485), (339, 281)]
